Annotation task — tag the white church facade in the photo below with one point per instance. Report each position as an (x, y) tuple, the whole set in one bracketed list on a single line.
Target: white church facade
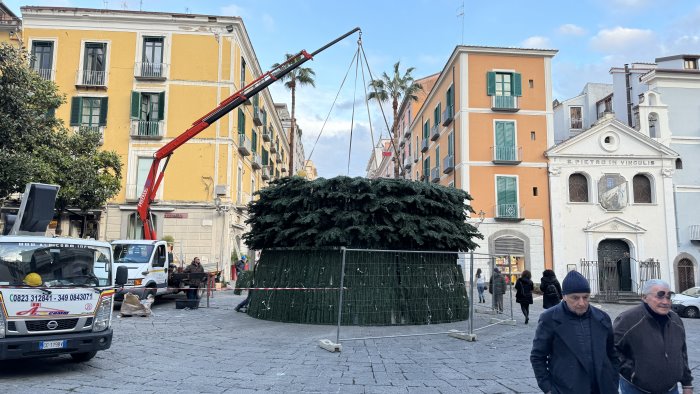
[(612, 201)]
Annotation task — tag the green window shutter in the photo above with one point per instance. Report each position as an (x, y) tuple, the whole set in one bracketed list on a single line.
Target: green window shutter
[(450, 144), (76, 111), (506, 189), (241, 122), (51, 113), (426, 129), (449, 97), (103, 111), (135, 104), (264, 117), (438, 114), (255, 141), (437, 157), (161, 105), (516, 85), (264, 157), (505, 141), (491, 83)]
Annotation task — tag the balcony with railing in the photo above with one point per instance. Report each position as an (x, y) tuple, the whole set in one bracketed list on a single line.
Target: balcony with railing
[(266, 134), (435, 132), (273, 148), (256, 161), (265, 173), (416, 157), (435, 174), (91, 78), (424, 145), (278, 158), (507, 154), (244, 145), (402, 143), (148, 70), (406, 131), (46, 73), (407, 162), (448, 164), (147, 129), (447, 115), (504, 103), (694, 230), (257, 116), (507, 212)]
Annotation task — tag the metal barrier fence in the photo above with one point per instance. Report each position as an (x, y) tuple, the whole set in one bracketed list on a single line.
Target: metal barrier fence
[(396, 293)]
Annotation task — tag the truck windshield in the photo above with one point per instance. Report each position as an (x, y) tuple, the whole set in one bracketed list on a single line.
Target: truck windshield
[(129, 253), (54, 264)]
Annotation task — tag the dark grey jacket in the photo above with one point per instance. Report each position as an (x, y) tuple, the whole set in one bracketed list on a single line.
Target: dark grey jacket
[(648, 359), (558, 362)]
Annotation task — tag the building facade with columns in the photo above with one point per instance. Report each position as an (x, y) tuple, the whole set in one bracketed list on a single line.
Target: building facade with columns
[(611, 191)]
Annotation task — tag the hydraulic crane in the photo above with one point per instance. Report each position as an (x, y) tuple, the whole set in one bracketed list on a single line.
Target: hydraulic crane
[(155, 174)]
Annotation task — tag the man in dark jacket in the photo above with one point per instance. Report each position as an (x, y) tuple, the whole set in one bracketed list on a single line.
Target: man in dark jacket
[(574, 350), (650, 343), (497, 287), (195, 267)]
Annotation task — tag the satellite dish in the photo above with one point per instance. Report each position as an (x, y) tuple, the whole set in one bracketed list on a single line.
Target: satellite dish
[(36, 210)]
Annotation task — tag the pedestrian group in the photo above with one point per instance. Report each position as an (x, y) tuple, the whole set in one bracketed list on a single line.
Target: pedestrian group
[(578, 349)]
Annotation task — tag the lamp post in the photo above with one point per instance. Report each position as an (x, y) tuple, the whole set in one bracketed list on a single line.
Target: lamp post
[(222, 209)]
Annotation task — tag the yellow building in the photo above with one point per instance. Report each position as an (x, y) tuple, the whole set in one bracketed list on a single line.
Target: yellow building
[(141, 79), (484, 127), (10, 26)]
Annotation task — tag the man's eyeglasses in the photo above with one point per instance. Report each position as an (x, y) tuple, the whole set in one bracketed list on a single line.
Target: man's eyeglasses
[(660, 295)]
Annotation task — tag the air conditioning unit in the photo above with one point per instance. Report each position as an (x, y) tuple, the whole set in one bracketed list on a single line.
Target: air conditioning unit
[(221, 190)]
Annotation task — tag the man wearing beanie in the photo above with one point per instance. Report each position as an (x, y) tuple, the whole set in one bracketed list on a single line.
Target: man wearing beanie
[(574, 350)]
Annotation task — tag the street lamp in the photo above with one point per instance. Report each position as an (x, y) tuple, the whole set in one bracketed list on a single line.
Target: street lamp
[(218, 206), (482, 216)]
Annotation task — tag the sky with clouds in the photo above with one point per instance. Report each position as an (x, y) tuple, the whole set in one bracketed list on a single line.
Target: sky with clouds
[(591, 36)]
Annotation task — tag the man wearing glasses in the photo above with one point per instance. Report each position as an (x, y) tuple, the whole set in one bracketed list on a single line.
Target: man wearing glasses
[(650, 341)]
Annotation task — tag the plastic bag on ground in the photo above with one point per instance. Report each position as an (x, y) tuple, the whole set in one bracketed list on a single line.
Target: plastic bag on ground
[(132, 306)]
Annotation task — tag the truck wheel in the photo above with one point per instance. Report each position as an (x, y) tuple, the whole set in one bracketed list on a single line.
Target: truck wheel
[(82, 357), (150, 291)]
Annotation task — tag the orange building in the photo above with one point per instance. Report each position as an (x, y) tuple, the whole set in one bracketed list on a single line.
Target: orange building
[(484, 127)]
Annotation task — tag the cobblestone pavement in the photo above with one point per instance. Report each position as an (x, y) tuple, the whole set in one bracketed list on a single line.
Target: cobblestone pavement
[(216, 350)]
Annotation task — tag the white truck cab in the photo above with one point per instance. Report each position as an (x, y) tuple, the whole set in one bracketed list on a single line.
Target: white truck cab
[(56, 296), (148, 263)]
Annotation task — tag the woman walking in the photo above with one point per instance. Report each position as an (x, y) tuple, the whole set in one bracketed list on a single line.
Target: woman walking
[(523, 293), (551, 289), (480, 285)]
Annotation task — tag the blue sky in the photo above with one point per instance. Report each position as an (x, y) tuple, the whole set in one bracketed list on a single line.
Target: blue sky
[(591, 36)]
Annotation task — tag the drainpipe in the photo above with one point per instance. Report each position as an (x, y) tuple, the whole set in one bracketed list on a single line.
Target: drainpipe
[(628, 92)]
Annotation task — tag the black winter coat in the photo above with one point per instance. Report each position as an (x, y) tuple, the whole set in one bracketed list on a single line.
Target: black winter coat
[(557, 360), (549, 299), (523, 291)]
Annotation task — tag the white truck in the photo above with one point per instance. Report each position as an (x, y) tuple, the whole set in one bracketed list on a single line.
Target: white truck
[(56, 294), (150, 268)]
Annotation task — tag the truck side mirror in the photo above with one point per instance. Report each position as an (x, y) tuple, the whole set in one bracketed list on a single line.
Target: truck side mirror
[(122, 275)]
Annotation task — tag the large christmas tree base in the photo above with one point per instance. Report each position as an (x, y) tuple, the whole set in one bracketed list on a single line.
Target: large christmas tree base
[(379, 287)]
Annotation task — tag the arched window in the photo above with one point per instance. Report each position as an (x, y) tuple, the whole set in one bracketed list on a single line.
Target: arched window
[(642, 189), (679, 164), (578, 188), (653, 125)]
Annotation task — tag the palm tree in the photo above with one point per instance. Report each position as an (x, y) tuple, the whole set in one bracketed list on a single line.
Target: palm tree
[(395, 89), (302, 76)]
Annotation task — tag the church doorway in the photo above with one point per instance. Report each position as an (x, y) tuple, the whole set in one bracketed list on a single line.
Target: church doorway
[(614, 261)]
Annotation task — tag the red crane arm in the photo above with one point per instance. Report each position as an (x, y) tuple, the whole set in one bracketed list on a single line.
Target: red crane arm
[(155, 174)]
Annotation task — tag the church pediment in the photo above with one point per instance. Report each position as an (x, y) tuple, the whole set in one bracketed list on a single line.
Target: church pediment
[(614, 225), (611, 140)]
